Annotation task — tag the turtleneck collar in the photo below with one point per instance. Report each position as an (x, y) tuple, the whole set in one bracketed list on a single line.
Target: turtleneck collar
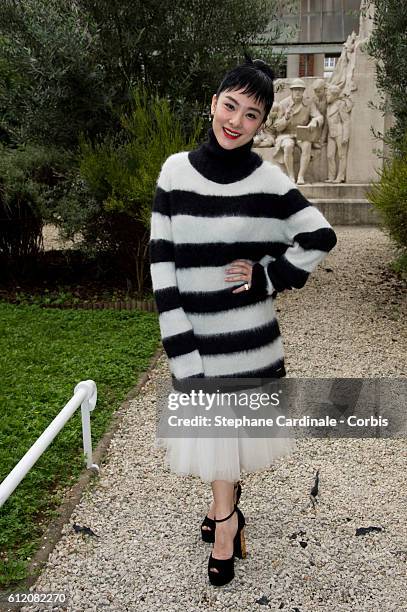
[(224, 165)]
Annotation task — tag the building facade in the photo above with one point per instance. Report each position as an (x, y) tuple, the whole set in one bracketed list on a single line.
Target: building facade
[(318, 30)]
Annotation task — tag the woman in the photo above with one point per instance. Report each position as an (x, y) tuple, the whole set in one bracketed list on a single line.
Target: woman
[(228, 232)]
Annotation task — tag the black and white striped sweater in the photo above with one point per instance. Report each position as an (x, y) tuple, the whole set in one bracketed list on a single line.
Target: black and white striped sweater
[(213, 206)]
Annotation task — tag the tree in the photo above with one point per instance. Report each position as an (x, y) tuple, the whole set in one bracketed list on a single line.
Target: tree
[(51, 49), (182, 48), (77, 60), (69, 69), (388, 45)]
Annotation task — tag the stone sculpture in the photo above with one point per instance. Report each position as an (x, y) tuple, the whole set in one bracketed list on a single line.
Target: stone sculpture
[(296, 124), (267, 137), (319, 99), (342, 76), (342, 118), (338, 120)]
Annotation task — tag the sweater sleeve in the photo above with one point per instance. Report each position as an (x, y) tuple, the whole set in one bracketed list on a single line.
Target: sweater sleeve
[(310, 238), (176, 330)]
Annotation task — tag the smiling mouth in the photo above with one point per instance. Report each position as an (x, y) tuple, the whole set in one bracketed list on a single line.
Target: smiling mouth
[(231, 134)]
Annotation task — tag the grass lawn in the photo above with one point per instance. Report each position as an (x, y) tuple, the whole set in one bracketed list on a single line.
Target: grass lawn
[(43, 355)]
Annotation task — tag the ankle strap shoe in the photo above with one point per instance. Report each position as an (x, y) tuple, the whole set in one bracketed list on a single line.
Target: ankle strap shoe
[(225, 567), (208, 535)]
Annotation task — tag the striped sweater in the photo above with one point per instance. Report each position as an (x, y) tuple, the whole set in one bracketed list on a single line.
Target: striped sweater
[(213, 206)]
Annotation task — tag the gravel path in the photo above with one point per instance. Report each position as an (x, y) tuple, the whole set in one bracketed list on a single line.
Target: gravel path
[(149, 556)]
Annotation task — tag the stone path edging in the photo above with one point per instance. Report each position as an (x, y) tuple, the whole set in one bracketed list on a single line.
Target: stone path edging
[(145, 305)]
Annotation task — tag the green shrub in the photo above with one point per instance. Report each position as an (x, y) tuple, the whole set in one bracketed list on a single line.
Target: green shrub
[(28, 174), (110, 203), (389, 196), (155, 134), (121, 171)]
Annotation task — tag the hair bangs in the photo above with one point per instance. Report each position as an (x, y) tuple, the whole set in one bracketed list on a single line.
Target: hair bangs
[(253, 82)]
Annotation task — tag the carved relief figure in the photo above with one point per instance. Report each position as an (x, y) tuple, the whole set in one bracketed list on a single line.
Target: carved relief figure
[(295, 124), (267, 137), (338, 119), (319, 90), (342, 76)]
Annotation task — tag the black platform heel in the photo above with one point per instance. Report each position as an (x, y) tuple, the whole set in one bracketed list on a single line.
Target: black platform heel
[(226, 567), (208, 535)]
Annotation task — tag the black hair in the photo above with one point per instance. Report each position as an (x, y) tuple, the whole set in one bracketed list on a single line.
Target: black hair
[(255, 77)]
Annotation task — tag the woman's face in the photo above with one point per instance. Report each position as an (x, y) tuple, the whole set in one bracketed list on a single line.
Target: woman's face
[(236, 118)]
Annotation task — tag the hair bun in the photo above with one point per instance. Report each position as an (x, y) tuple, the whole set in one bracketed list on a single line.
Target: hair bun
[(264, 68), (260, 65)]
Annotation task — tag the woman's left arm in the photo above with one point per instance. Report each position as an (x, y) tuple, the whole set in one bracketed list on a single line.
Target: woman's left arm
[(311, 238)]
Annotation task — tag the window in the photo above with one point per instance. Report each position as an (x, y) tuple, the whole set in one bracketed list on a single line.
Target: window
[(327, 20), (330, 63), (320, 21)]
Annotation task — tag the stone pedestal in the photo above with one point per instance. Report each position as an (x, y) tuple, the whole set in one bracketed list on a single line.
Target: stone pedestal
[(341, 204)]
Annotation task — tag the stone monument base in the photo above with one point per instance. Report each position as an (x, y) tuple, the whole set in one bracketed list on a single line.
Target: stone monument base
[(340, 203)]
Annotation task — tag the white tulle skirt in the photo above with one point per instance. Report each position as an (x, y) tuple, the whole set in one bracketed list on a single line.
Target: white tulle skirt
[(223, 458)]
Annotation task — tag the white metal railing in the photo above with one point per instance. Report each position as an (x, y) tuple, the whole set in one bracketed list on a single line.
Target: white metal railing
[(85, 395)]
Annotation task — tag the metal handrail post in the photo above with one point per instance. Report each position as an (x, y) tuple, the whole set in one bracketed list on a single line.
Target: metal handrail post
[(87, 406), (85, 392)]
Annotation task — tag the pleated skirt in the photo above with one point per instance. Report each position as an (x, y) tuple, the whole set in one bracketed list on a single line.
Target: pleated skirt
[(223, 458)]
